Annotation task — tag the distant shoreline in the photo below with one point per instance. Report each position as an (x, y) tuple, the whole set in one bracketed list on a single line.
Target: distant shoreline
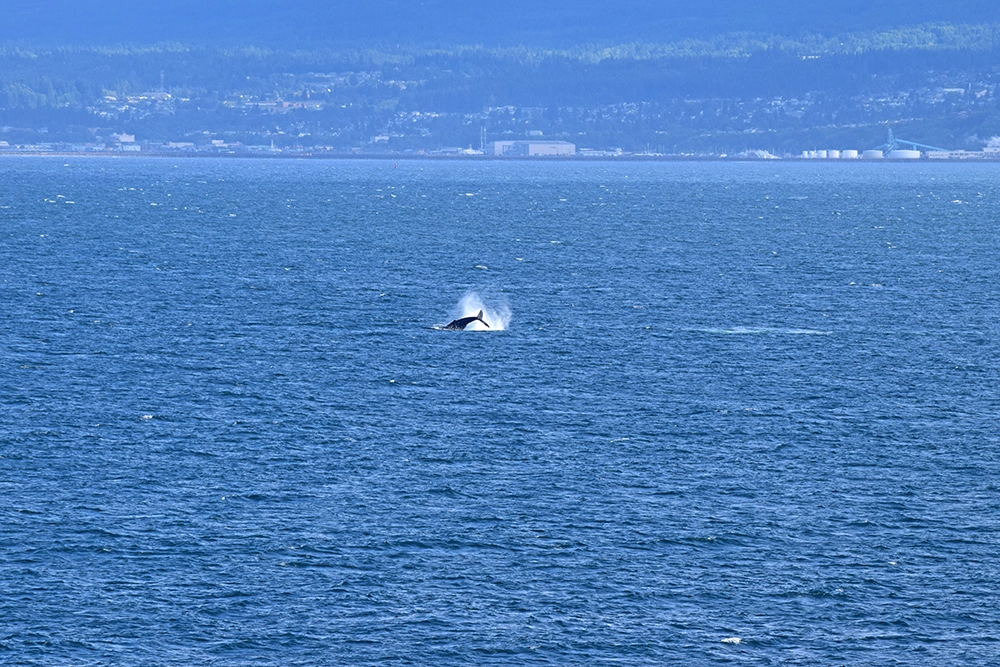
[(481, 158)]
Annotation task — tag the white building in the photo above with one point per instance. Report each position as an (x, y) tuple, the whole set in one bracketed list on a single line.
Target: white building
[(533, 148)]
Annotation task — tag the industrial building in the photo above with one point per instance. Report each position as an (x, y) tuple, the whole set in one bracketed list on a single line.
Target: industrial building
[(533, 148), (832, 154), (893, 149)]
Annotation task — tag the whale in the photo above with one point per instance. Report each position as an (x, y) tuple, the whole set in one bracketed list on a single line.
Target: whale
[(462, 322)]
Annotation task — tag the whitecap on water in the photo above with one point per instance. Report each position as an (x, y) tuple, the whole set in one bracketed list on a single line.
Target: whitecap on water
[(767, 330), (732, 640)]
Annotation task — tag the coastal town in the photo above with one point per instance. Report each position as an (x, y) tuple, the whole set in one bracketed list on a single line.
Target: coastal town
[(301, 126), (561, 109)]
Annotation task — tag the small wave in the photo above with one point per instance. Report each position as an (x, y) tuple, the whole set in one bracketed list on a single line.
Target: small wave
[(732, 640)]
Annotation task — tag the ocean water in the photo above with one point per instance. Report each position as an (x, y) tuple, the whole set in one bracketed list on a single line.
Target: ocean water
[(726, 413)]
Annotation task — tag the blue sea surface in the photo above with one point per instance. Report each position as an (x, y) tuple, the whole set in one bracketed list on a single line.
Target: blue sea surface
[(736, 413)]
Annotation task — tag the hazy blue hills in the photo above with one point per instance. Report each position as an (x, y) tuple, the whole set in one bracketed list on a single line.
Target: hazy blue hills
[(514, 22), (714, 76)]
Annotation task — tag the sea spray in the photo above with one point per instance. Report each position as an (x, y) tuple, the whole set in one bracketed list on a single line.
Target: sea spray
[(497, 316)]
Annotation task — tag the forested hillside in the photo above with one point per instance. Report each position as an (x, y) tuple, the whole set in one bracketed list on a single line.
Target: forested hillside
[(700, 90), (533, 23)]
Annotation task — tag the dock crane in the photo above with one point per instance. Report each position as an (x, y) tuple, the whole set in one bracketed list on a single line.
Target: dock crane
[(893, 144)]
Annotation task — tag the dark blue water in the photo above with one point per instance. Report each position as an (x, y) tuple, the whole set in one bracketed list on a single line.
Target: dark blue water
[(740, 413)]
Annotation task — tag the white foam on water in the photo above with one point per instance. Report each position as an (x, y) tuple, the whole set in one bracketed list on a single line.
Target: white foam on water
[(768, 330), (498, 316), (732, 640)]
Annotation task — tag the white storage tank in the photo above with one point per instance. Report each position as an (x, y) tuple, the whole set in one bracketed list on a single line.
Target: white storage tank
[(900, 154), (833, 155), (872, 155), (849, 154)]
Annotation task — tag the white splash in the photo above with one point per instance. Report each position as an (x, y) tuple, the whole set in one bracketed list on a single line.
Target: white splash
[(498, 317), (732, 640)]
